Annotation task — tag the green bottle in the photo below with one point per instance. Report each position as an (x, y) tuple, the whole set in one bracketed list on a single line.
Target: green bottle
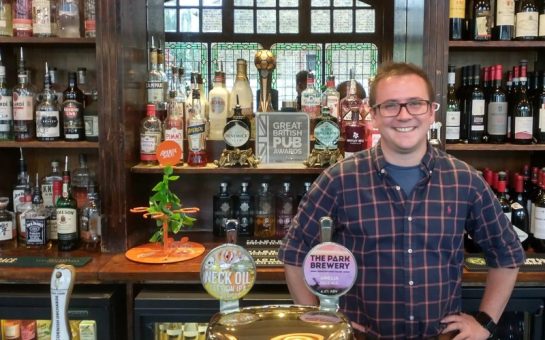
[(67, 215)]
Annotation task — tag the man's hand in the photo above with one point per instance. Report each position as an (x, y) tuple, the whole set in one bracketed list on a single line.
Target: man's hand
[(467, 327)]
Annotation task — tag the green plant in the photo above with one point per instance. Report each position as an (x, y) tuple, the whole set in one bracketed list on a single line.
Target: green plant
[(165, 202)]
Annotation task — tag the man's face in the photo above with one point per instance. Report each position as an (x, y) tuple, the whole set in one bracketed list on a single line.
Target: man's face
[(403, 137)]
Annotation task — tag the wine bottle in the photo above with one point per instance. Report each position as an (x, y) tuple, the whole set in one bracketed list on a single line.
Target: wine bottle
[(539, 112), (501, 188), (504, 26), (539, 218), (452, 119), (527, 19), (457, 17), (497, 110), (481, 21), (522, 122), (519, 213), (474, 109)]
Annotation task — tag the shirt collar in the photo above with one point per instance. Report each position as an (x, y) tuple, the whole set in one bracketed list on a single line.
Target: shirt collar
[(426, 164)]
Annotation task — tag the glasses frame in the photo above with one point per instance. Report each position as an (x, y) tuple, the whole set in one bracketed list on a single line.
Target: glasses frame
[(433, 105)]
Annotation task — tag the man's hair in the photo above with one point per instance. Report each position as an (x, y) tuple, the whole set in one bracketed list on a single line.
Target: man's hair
[(391, 69), (301, 77)]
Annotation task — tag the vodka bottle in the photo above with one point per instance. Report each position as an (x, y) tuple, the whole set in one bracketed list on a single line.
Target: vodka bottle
[(150, 136), (68, 19), (48, 120), (218, 99)]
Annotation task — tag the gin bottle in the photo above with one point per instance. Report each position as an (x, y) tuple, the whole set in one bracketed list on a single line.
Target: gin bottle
[(223, 209), (245, 210), (6, 107), (326, 131), (310, 101), (354, 136), (36, 220), (47, 113), (285, 209), (349, 104), (236, 132), (8, 227), (265, 226), (331, 97), (174, 122), (68, 19)]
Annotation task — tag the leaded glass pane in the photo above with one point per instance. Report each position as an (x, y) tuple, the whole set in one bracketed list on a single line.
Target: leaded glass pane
[(211, 3), (212, 20), (170, 20), (289, 3), (244, 3), (320, 3), (289, 21), (266, 21), (362, 4), (365, 21), (170, 3), (343, 3), (192, 56), (342, 21), (189, 20), (244, 21), (266, 3), (292, 58), (320, 21), (189, 3)]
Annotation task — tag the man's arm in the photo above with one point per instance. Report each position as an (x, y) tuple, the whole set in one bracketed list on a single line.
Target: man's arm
[(499, 285), (298, 289)]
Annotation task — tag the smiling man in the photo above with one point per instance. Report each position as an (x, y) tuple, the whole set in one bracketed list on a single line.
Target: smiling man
[(402, 207)]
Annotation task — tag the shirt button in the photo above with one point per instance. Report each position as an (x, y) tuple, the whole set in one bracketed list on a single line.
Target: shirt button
[(398, 188), (410, 251), (409, 218), (411, 317), (431, 172), (411, 283), (382, 171)]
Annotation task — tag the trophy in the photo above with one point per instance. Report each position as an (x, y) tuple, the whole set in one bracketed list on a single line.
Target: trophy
[(265, 62)]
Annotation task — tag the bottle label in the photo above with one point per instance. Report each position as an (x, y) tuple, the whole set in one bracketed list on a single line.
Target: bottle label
[(6, 113), (523, 127), (541, 25), (541, 123), (195, 135), (23, 107), (527, 24), (452, 118), (539, 223), (497, 118), (155, 91), (47, 124), (18, 195), (477, 114), (326, 134), (67, 219), (52, 226), (148, 145), (6, 230), (47, 194), (333, 104), (218, 105), (176, 135), (36, 231), (505, 13), (355, 139), (90, 26), (91, 125), (236, 133), (482, 24), (457, 9), (41, 17)]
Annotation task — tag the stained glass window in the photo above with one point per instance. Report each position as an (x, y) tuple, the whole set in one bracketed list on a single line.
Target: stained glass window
[(228, 53), (192, 56)]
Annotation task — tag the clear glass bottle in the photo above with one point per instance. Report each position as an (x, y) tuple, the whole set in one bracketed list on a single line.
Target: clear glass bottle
[(90, 119), (84, 86), (331, 97), (6, 21), (150, 136), (6, 107), (55, 85), (36, 220), (245, 210), (218, 99), (23, 110), (8, 226), (21, 13), (22, 175), (310, 101), (223, 208), (285, 209), (91, 220), (196, 132), (162, 108), (41, 18), (241, 87), (236, 132), (48, 120), (452, 116), (51, 190), (68, 19), (265, 226), (173, 126), (67, 215), (81, 178), (90, 26), (326, 131), (72, 110), (21, 210), (155, 85)]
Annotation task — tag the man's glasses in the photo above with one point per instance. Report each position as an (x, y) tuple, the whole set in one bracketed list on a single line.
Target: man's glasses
[(415, 107)]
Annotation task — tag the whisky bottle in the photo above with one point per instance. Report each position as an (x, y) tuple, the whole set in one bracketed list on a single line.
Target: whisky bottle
[(8, 227), (51, 190), (326, 131), (72, 110), (6, 107), (196, 131), (219, 106), (150, 136), (242, 88), (245, 210), (223, 209), (285, 210), (236, 132), (90, 119), (23, 110), (81, 178), (57, 88), (48, 124), (265, 226), (84, 86), (67, 215), (6, 22), (41, 18), (36, 220)]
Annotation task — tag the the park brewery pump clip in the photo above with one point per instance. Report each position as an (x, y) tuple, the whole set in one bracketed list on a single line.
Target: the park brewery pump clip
[(62, 284)]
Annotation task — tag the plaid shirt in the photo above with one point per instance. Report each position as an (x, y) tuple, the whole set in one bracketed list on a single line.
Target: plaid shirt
[(410, 247)]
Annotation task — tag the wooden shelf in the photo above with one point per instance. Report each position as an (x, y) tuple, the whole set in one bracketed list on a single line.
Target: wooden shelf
[(494, 147), (210, 168), (50, 41), (513, 44), (50, 145)]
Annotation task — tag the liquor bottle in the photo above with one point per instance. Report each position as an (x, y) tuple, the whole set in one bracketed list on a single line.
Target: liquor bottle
[(522, 121), (90, 119), (223, 208), (6, 21), (245, 210), (8, 226), (434, 138), (51, 190), (36, 220), (67, 215), (306, 188), (19, 188), (6, 107), (541, 25), (326, 131), (310, 101), (12, 330), (72, 110), (349, 104), (242, 88), (41, 18), (533, 192), (457, 17), (527, 20), (91, 219), (474, 109), (452, 118), (155, 85), (480, 25), (265, 226), (219, 106), (161, 69), (285, 210), (22, 18), (57, 88), (28, 329), (539, 218), (236, 132), (504, 27), (539, 112), (68, 19), (196, 132), (84, 86), (21, 210), (173, 126), (23, 110), (331, 97), (497, 110), (48, 120), (81, 178), (501, 188), (90, 26), (150, 136), (519, 213), (354, 136)]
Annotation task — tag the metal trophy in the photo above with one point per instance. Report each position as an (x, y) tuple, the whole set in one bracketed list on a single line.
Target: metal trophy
[(265, 62)]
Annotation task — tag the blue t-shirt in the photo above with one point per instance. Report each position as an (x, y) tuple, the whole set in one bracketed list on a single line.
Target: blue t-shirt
[(406, 177)]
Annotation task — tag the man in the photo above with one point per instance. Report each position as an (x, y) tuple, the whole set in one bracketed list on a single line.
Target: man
[(300, 86), (401, 207)]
